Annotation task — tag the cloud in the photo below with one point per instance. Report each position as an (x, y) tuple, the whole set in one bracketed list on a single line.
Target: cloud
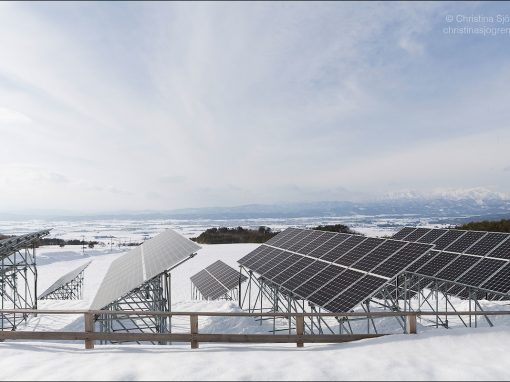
[(9, 116), (152, 105)]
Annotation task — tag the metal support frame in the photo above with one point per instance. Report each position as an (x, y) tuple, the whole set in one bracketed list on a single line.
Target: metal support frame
[(73, 290), (18, 285), (153, 295)]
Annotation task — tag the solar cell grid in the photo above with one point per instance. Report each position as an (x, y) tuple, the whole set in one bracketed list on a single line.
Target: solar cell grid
[(286, 235), (422, 261), (279, 236), (500, 282), (359, 251), (306, 239), (378, 255), (297, 278), (436, 264), (327, 246), (335, 286), (301, 234), (276, 257), (344, 245), (486, 244), (286, 260), (289, 272), (457, 267), (447, 239), (502, 251), (482, 272), (466, 241), (252, 255), (403, 233), (315, 240), (431, 236), (401, 260), (257, 265), (416, 234), (305, 274), (319, 280), (260, 257), (355, 294)]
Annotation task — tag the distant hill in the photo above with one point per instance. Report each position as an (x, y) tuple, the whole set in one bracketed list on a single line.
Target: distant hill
[(224, 235), (502, 225), (340, 228)]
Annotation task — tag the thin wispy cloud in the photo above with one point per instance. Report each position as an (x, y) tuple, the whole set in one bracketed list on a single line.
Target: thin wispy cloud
[(169, 105)]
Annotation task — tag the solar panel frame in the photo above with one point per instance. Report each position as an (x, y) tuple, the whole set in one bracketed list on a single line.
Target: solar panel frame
[(129, 271), (63, 280), (402, 233)]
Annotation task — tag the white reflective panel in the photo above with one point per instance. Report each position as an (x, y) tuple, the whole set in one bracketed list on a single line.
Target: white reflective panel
[(141, 264), (67, 278)]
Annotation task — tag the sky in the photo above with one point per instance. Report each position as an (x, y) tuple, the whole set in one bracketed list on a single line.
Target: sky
[(158, 106)]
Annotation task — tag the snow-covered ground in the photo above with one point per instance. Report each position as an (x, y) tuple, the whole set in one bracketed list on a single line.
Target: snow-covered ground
[(454, 354)]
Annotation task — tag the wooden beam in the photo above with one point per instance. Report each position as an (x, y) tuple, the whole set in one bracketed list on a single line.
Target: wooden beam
[(193, 319)]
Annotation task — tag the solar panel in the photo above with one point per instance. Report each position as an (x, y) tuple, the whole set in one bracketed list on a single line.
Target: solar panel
[(141, 264), (330, 290), (334, 243), (432, 236), (313, 242), (502, 251), (500, 282), (482, 272), (466, 241), (402, 259), (359, 251), (355, 294), (295, 279), (344, 245), (378, 255), (216, 280), (12, 244), (447, 239), (417, 234), (294, 240), (298, 263), (306, 274), (403, 233), (285, 261), (316, 282), (437, 263), (457, 267), (226, 275), (64, 280), (285, 236), (321, 274), (487, 243)]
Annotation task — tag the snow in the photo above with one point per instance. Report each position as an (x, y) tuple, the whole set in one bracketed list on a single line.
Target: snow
[(455, 354)]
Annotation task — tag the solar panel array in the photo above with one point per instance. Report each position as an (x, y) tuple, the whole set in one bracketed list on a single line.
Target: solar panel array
[(141, 264), (66, 279), (217, 280), (475, 259), (12, 244), (335, 271)]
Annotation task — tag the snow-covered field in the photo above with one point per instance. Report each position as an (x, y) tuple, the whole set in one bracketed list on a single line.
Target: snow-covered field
[(454, 354)]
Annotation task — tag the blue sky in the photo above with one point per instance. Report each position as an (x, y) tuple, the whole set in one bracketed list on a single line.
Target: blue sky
[(167, 105)]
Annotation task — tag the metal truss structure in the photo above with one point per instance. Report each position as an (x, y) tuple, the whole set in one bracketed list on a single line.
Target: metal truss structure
[(140, 280), (408, 293), (153, 295), (68, 287), (18, 277), (231, 295)]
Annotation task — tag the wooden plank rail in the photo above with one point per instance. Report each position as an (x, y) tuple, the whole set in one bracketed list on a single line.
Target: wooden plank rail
[(89, 336)]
